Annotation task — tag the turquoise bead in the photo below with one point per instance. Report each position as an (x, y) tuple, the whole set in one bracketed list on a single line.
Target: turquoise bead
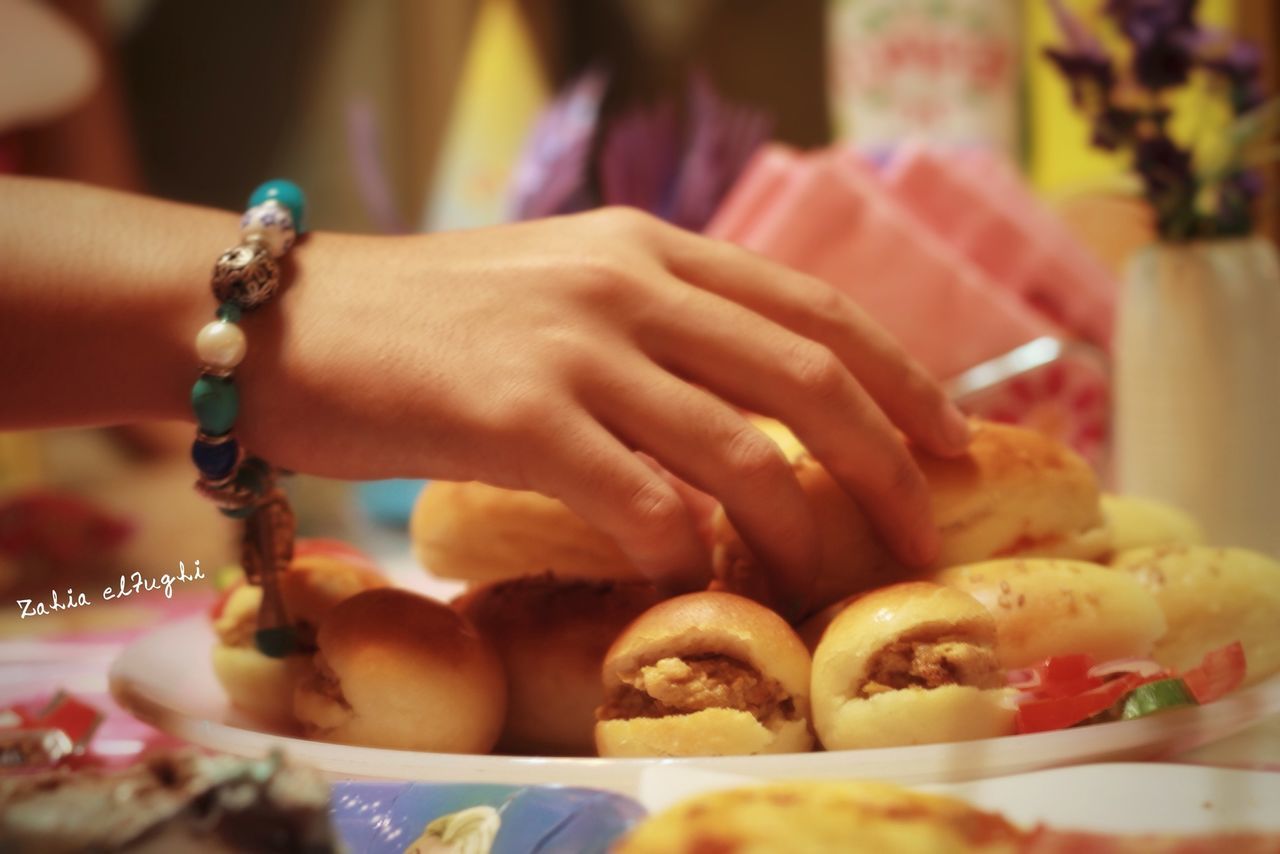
[(216, 403), (230, 312), (286, 193)]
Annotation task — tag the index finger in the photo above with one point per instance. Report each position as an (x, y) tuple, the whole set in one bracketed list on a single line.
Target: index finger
[(899, 385)]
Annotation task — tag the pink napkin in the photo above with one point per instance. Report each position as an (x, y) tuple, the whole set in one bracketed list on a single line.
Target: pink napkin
[(977, 203), (828, 215)]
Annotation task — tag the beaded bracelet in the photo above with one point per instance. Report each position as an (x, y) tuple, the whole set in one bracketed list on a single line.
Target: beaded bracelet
[(245, 277)]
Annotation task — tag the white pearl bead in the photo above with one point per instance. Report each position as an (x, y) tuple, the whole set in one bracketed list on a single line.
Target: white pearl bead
[(221, 345), (270, 222)]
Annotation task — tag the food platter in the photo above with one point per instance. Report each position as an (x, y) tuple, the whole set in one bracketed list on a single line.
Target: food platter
[(166, 679)]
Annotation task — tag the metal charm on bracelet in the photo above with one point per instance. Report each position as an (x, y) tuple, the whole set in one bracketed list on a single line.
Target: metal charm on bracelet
[(266, 551)]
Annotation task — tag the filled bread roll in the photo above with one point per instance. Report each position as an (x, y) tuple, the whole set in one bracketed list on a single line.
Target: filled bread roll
[(480, 533), (823, 816), (1210, 598), (396, 669), (705, 674), (1015, 493), (912, 663), (1046, 607), (1140, 522), (262, 686), (551, 635)]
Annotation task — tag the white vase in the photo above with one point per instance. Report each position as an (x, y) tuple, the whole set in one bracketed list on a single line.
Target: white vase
[(1197, 353)]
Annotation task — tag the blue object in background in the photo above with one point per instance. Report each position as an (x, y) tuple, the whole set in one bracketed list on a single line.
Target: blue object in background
[(384, 818), (389, 502)]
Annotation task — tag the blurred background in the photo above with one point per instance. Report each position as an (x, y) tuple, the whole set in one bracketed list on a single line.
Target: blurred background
[(948, 129)]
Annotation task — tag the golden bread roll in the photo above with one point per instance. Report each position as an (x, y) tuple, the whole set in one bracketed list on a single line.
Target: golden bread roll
[(552, 634), (912, 663), (827, 816), (479, 533), (1045, 607), (396, 669), (258, 684), (1140, 522), (1210, 598), (705, 674), (1016, 492)]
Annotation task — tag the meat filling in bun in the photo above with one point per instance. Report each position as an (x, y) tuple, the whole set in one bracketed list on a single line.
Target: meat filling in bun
[(912, 663), (705, 674), (678, 686), (932, 661)]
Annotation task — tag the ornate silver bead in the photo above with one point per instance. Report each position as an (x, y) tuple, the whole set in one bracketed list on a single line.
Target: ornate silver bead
[(246, 275)]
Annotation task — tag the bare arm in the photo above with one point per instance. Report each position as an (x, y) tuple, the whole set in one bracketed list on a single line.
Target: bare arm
[(540, 356), (100, 296)]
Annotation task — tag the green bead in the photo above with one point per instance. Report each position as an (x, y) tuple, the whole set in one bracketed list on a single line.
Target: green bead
[(286, 193), (237, 512), (255, 476), (216, 403), (230, 312), (276, 642)]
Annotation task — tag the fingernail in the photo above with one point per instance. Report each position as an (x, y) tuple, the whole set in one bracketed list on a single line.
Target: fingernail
[(955, 428)]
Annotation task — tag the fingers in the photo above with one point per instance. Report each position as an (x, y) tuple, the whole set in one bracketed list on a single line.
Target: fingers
[(899, 385), (706, 442), (610, 487), (766, 368)]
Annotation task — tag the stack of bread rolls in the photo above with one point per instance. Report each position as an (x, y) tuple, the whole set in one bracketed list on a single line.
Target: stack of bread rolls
[(376, 666), (560, 647)]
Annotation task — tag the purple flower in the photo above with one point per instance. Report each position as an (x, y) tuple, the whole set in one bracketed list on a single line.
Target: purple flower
[(1127, 111), (1090, 76), (1239, 66), (1163, 33), (1083, 60), (1113, 127), (1162, 164), (1168, 183), (1236, 196)]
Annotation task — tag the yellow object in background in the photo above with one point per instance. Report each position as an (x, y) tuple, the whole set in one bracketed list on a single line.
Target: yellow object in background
[(1061, 158), (500, 93), (20, 461)]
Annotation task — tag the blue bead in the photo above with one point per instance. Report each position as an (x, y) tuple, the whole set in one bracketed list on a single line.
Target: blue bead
[(286, 193), (216, 403), (230, 312), (215, 460)]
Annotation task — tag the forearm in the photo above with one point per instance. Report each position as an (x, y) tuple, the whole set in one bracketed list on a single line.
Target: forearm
[(101, 294)]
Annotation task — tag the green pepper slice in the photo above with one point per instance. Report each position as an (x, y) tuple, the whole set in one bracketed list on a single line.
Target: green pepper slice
[(1158, 696)]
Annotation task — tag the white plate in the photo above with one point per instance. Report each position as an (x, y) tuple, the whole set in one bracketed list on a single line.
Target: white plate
[(1104, 798), (166, 679)]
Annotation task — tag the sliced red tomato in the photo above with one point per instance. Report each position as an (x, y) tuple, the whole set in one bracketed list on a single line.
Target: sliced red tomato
[(1060, 712), (1066, 676), (1219, 673)]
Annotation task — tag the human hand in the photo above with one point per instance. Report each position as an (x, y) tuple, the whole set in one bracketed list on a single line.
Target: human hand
[(545, 355)]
